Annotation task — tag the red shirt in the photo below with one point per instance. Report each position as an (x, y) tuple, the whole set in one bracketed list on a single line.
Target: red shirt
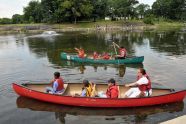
[(112, 92)]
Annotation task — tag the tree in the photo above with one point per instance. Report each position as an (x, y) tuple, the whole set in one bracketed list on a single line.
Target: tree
[(123, 8), (100, 8), (141, 10), (33, 12), (169, 9), (5, 21), (17, 19), (74, 9)]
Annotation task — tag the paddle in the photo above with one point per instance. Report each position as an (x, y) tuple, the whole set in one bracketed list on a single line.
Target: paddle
[(114, 47)]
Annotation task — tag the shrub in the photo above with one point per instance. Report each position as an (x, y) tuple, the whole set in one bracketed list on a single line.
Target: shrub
[(148, 20)]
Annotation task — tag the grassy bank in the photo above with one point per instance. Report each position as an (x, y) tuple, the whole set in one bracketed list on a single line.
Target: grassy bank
[(87, 26)]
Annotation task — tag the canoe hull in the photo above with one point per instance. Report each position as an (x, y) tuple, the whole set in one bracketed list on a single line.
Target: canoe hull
[(99, 102), (75, 58)]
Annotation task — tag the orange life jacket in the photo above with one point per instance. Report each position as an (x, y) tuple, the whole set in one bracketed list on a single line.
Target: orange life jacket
[(145, 87), (123, 52), (60, 84), (81, 53)]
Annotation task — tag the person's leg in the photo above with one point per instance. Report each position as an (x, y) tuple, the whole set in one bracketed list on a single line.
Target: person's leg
[(102, 94), (131, 93), (49, 89)]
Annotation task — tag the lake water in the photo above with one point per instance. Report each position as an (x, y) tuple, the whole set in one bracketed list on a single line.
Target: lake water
[(34, 58)]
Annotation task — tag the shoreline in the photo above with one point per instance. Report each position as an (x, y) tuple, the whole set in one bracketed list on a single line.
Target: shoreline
[(97, 26)]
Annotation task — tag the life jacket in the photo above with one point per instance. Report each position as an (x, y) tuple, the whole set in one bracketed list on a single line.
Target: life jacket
[(95, 55), (89, 91), (81, 53), (112, 92), (123, 52), (60, 84), (145, 87), (106, 56)]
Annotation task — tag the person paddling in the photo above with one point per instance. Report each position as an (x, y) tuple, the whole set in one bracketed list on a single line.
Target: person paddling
[(81, 52), (57, 84), (122, 52), (144, 86)]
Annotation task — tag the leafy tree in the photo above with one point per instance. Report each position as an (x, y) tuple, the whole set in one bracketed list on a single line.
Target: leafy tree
[(100, 8), (5, 21), (74, 9), (17, 19), (33, 12), (141, 9), (169, 9)]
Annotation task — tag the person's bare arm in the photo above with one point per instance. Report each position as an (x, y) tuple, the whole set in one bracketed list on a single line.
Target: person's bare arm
[(76, 49)]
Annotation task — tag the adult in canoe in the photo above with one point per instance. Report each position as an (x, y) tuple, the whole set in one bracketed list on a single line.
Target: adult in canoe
[(81, 52), (112, 90), (57, 84), (122, 52), (144, 86)]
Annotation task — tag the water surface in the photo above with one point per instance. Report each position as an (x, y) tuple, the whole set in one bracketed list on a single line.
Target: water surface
[(29, 57)]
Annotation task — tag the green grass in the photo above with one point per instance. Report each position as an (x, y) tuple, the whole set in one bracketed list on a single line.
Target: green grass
[(158, 25)]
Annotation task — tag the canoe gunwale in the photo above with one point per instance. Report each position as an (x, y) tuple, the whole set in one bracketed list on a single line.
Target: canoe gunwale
[(172, 91)]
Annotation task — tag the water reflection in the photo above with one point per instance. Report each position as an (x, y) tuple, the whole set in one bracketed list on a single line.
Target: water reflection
[(121, 69), (138, 114)]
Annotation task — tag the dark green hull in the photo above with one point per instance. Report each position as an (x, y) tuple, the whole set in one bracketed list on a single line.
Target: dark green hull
[(75, 58)]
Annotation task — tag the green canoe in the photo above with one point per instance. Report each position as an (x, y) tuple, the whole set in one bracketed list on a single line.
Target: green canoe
[(75, 58)]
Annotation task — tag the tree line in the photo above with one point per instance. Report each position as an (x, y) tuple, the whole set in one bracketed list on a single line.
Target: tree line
[(58, 11)]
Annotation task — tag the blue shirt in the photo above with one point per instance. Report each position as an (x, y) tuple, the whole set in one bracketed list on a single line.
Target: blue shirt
[(83, 93), (55, 85)]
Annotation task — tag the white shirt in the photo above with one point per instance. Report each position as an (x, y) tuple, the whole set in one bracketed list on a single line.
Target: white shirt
[(142, 80)]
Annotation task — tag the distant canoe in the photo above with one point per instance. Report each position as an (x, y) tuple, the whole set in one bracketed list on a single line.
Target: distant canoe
[(37, 91), (75, 58)]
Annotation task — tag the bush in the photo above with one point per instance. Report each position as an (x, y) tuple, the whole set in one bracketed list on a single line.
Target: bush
[(148, 20)]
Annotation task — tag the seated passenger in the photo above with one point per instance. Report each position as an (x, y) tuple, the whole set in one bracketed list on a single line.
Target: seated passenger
[(112, 91), (81, 52), (88, 89), (144, 86), (95, 55), (57, 85), (106, 56)]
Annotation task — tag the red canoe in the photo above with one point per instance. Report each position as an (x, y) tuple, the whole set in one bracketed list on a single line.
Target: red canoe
[(37, 91)]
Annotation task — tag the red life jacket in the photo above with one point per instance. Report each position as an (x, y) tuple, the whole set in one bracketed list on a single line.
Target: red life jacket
[(112, 92), (106, 56), (60, 84), (81, 53), (95, 55), (145, 87), (123, 52)]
